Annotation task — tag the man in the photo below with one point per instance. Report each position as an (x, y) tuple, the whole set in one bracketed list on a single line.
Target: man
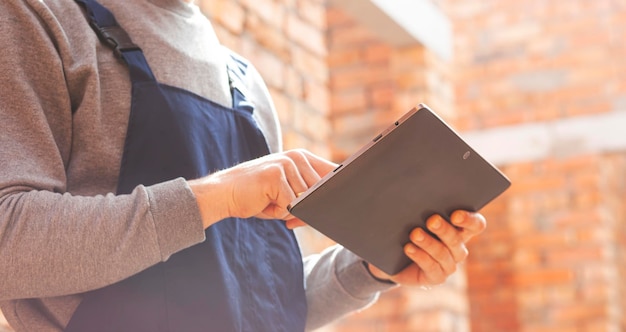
[(143, 187)]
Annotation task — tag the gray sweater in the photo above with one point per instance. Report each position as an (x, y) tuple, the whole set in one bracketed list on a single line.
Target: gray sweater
[(64, 104)]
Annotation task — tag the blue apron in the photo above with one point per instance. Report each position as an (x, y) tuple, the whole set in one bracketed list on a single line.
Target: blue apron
[(248, 274)]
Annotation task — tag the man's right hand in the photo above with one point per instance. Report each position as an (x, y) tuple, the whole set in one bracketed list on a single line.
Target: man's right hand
[(262, 187)]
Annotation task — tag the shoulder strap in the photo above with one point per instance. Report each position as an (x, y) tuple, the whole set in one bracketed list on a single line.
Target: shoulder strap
[(238, 79), (104, 24)]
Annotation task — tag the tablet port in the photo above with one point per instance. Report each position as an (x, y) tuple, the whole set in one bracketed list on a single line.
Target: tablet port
[(338, 167), (378, 137)]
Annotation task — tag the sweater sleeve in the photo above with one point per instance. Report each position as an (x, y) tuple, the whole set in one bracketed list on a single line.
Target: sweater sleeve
[(52, 242), (337, 283)]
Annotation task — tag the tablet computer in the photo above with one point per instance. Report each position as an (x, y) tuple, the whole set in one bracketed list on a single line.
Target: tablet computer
[(415, 168)]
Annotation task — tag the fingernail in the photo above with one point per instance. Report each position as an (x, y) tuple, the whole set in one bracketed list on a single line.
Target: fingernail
[(459, 218), (435, 223), (411, 249), (418, 236)]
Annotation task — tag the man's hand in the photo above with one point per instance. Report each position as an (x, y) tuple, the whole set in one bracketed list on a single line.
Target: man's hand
[(434, 260), (262, 187)]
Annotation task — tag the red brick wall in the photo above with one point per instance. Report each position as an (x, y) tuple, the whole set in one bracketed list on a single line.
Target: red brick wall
[(552, 258), (373, 83), (524, 61)]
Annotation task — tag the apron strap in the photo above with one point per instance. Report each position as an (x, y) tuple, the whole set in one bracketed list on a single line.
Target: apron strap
[(113, 35), (237, 79)]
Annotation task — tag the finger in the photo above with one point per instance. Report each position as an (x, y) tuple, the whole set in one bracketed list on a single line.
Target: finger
[(450, 236), (470, 223), (307, 172), (279, 198), (429, 271), (320, 165), (294, 223), (436, 249), (293, 176)]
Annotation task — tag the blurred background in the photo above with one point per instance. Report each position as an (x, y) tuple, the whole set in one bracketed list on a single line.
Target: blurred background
[(538, 87)]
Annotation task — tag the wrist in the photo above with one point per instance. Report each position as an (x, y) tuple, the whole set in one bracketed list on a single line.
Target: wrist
[(210, 198)]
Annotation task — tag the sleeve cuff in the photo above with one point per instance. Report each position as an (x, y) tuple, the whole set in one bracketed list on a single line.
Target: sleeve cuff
[(355, 278), (176, 216)]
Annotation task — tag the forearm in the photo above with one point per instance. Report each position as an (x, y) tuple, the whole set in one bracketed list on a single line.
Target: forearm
[(56, 244), (337, 283)]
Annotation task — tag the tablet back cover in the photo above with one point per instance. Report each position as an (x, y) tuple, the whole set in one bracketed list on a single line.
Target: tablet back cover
[(419, 168)]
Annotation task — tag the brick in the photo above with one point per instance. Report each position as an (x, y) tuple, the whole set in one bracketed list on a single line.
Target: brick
[(348, 101), (404, 100), (349, 36), (313, 12), (538, 184), (382, 96), (309, 65), (411, 80), (573, 255), (600, 325), (294, 140), (306, 35), (595, 292), (595, 234), (578, 217), (345, 58), (409, 58), (550, 327), (377, 53), (311, 123), (578, 313), (268, 36), (336, 17), (551, 276), (358, 76), (273, 12), (528, 257), (354, 123), (269, 65), (544, 240), (282, 103), (228, 14), (317, 96), (294, 83)]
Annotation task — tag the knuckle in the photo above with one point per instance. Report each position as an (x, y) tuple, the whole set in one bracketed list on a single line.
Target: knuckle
[(295, 153), (440, 252), (286, 162), (461, 255), (451, 269), (274, 170), (455, 241), (431, 265), (482, 224), (291, 153), (435, 279)]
